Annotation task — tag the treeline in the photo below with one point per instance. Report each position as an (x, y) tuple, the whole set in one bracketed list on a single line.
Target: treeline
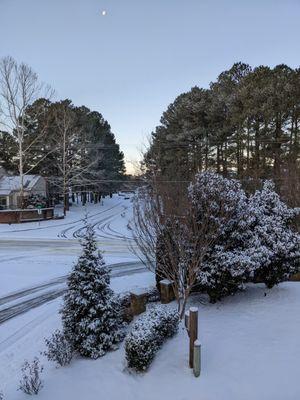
[(73, 147), (246, 125)]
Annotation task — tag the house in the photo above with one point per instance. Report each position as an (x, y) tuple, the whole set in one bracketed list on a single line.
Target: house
[(10, 189)]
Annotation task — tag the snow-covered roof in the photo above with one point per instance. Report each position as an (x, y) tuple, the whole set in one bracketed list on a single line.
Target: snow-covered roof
[(10, 184)]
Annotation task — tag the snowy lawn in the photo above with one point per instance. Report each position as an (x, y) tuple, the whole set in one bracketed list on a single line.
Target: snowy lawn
[(250, 350)]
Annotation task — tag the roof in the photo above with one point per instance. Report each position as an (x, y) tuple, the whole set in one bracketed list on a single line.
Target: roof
[(10, 184)]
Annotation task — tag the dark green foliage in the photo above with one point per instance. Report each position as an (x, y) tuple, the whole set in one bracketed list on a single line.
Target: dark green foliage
[(91, 314), (59, 349), (247, 124), (8, 150), (147, 336), (74, 147)]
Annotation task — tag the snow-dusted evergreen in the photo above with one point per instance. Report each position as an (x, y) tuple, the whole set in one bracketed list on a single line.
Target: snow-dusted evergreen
[(270, 230), (31, 382), (91, 314), (59, 349), (254, 240), (148, 334)]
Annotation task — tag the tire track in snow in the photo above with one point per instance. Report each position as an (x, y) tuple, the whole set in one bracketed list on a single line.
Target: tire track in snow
[(27, 302)]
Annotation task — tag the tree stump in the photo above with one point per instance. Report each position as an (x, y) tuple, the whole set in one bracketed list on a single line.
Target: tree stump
[(166, 291), (138, 299)]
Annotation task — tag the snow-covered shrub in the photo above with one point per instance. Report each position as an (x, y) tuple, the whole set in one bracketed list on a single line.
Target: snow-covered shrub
[(253, 240), (59, 349), (153, 295), (278, 254), (147, 335), (91, 314), (219, 204), (1, 396), (31, 382)]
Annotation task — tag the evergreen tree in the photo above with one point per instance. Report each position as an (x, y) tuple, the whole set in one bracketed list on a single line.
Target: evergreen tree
[(246, 125), (91, 313), (255, 242), (271, 226), (8, 152)]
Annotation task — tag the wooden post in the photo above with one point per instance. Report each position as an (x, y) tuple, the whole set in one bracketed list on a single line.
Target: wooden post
[(166, 291), (193, 330), (138, 299), (197, 358)]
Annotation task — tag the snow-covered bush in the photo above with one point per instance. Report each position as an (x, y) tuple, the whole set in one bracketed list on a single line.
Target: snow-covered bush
[(278, 253), (254, 240), (147, 335), (1, 396), (91, 314), (59, 349), (217, 207), (153, 295), (31, 382)]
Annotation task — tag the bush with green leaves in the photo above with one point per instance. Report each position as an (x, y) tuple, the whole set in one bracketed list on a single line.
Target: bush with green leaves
[(148, 334)]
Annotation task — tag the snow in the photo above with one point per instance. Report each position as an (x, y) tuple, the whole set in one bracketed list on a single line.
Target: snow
[(249, 342), (249, 351), (13, 183), (32, 253)]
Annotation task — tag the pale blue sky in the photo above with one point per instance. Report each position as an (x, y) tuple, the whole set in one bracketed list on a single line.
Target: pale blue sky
[(132, 63)]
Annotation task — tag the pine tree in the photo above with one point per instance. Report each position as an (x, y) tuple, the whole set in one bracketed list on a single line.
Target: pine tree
[(91, 313)]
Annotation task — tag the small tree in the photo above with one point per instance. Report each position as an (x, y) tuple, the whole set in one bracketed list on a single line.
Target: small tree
[(182, 237), (19, 88), (91, 314)]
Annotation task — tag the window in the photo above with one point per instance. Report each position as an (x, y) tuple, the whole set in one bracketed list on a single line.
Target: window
[(2, 202)]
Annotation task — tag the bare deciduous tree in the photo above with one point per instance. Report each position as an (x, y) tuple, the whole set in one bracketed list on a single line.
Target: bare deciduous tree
[(71, 147), (19, 88), (173, 233)]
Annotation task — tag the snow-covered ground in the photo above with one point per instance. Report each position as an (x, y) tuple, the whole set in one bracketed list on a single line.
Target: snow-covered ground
[(250, 350), (35, 258), (33, 253), (250, 342)]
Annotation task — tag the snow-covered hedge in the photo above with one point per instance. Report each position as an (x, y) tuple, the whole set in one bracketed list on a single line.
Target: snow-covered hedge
[(148, 334)]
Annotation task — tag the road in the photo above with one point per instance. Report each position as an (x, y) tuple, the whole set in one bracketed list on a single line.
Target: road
[(25, 300), (49, 249)]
